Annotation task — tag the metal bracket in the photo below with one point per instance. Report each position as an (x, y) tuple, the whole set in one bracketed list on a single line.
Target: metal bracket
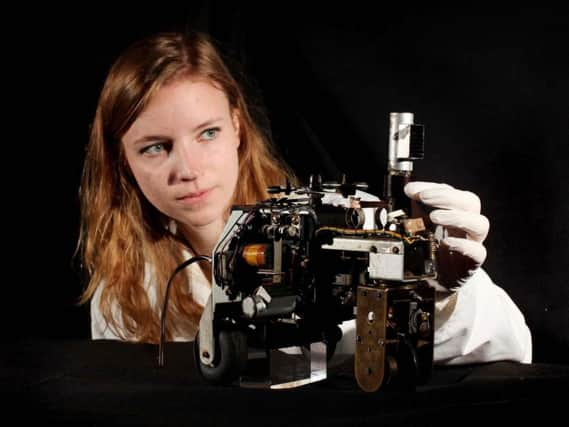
[(370, 337), (206, 341)]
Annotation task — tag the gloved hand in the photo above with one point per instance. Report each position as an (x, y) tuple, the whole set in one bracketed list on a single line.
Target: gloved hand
[(464, 229)]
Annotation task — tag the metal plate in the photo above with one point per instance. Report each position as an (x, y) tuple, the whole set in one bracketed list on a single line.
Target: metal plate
[(370, 338)]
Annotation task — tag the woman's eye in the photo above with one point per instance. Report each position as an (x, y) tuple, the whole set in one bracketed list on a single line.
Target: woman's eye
[(209, 134), (154, 149)]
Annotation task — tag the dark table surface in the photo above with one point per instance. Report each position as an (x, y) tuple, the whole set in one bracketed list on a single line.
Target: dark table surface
[(84, 382)]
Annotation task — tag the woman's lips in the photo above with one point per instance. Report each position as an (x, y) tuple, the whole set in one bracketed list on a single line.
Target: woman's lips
[(194, 197)]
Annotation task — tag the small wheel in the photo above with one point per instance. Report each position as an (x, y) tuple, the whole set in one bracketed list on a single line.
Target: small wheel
[(229, 361), (402, 367)]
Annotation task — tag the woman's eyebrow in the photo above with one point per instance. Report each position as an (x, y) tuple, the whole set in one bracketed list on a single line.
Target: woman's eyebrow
[(149, 138), (207, 123)]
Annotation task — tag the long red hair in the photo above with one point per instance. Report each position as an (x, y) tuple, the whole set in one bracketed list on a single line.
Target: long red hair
[(121, 233)]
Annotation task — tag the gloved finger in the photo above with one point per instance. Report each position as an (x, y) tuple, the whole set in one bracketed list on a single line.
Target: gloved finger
[(413, 189), (476, 226), (443, 196), (469, 248)]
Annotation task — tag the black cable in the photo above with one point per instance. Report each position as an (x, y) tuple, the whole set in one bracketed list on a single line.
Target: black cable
[(165, 305)]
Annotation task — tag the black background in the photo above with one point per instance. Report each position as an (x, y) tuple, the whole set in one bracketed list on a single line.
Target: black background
[(491, 87)]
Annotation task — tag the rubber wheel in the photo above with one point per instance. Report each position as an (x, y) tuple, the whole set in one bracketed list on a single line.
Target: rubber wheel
[(403, 369), (229, 361)]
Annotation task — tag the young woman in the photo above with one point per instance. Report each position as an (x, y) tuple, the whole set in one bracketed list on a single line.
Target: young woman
[(173, 146)]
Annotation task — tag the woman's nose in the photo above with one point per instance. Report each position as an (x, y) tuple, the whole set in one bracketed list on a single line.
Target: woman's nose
[(187, 162)]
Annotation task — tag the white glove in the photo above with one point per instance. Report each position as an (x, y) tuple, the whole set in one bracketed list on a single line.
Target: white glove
[(461, 251)]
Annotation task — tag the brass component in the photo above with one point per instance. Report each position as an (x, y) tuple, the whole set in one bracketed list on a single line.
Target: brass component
[(414, 225), (371, 337), (255, 254)]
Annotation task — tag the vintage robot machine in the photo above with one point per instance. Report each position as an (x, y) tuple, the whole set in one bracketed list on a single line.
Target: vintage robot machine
[(289, 271)]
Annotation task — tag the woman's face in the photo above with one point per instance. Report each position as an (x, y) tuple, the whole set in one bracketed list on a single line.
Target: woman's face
[(182, 150)]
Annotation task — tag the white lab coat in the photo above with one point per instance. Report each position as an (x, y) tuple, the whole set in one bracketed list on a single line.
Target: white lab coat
[(476, 323)]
